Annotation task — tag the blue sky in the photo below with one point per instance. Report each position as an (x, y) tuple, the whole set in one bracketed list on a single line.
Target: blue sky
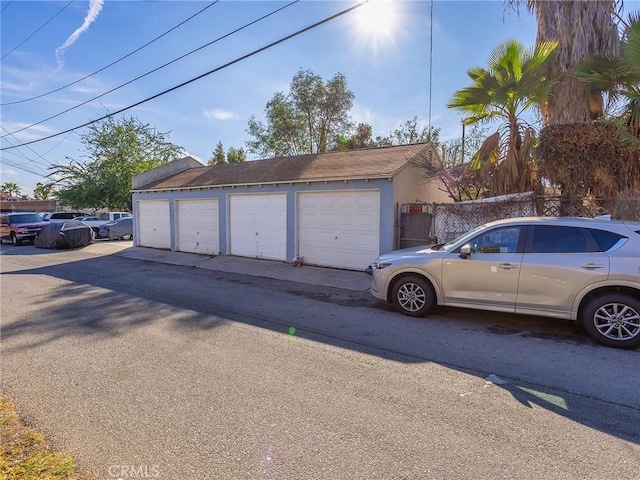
[(386, 67)]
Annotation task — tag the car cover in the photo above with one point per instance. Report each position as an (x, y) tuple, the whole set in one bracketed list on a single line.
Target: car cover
[(121, 228), (67, 234)]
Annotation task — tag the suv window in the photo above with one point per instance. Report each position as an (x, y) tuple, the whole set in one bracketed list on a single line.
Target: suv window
[(605, 239), (65, 215), (25, 218), (555, 239), (499, 240)]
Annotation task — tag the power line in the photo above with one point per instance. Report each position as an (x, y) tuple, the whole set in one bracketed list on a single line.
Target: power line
[(226, 65), (8, 3), (154, 70), (24, 160), (56, 146), (32, 150), (20, 166), (112, 63), (25, 169), (34, 162), (430, 62), (37, 30), (46, 163)]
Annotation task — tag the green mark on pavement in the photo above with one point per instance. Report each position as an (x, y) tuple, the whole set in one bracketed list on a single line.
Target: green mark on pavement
[(553, 399), (292, 330)]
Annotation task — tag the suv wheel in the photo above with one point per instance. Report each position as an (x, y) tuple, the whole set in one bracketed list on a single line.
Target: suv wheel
[(413, 295), (614, 320), (15, 240)]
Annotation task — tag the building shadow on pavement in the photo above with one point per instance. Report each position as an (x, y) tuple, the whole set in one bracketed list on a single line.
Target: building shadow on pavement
[(110, 296)]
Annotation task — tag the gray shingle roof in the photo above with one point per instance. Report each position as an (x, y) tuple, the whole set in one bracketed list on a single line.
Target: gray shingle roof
[(380, 162)]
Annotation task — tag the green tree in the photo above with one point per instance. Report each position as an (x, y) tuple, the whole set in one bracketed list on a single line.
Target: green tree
[(619, 76), (233, 155), (583, 29), (10, 188), (42, 191), (514, 81), (115, 151), (218, 156), (360, 138), (307, 119), (236, 155), (410, 132)]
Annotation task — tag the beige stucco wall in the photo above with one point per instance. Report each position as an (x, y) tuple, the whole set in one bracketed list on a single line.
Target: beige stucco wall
[(409, 186)]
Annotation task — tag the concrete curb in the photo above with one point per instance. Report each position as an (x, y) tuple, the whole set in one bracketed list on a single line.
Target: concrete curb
[(307, 274)]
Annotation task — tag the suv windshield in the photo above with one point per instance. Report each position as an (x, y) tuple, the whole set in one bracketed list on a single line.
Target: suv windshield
[(449, 245), (65, 215), (25, 218)]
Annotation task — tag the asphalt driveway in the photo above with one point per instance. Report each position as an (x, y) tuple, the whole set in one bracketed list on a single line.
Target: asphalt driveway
[(191, 373)]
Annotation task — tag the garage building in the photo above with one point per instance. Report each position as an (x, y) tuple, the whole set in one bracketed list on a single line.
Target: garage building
[(334, 209)]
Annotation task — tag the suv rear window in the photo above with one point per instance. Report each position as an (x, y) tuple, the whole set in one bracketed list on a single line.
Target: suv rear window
[(560, 239), (605, 239)]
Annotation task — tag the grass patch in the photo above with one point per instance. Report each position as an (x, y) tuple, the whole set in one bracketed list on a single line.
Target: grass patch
[(26, 455)]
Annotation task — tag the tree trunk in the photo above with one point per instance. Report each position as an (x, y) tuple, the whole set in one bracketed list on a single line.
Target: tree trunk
[(583, 29)]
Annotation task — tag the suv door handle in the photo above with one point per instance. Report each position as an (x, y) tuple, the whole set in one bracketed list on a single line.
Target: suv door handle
[(591, 266), (507, 266)]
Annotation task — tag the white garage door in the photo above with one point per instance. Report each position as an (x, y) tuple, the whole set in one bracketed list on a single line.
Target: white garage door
[(339, 229), (152, 217), (258, 225), (197, 226)]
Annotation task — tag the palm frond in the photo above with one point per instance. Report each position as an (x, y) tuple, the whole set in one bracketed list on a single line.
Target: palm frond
[(488, 153)]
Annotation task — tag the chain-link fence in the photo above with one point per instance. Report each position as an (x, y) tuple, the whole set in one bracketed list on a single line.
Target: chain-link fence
[(450, 220), (622, 208)]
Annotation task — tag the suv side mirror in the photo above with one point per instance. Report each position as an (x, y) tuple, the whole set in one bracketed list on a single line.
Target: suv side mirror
[(465, 251)]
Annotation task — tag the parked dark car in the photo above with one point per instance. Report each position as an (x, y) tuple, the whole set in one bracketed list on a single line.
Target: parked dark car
[(67, 234), (20, 227), (121, 229)]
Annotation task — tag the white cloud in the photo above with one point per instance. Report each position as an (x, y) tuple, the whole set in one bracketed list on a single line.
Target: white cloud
[(218, 114), (14, 87), (382, 123), (31, 133), (8, 171), (94, 9)]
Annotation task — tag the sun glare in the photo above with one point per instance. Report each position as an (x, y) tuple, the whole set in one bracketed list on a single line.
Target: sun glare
[(377, 18)]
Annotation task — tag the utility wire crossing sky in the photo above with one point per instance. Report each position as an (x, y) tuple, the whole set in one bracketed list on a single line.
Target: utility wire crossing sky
[(201, 71)]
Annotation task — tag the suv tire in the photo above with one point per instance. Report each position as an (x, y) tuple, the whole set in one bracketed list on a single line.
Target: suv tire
[(613, 319), (412, 295)]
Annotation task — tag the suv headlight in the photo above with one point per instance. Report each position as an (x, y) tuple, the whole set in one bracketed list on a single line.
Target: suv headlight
[(23, 230), (381, 265)]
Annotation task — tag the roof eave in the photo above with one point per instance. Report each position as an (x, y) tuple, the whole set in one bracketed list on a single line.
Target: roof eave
[(262, 184)]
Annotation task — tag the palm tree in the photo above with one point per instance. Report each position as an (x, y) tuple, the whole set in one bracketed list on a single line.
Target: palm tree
[(514, 81), (10, 188), (619, 76), (583, 29)]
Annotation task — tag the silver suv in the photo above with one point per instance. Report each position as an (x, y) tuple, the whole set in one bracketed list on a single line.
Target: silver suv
[(586, 270)]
